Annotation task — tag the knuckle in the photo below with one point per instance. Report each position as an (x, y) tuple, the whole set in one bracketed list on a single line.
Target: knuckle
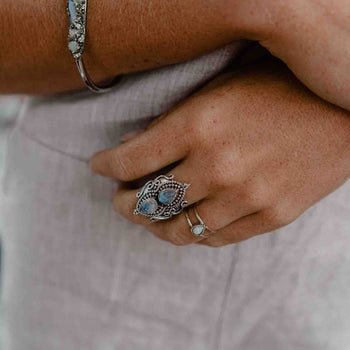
[(221, 178), (255, 195), (225, 169), (221, 173)]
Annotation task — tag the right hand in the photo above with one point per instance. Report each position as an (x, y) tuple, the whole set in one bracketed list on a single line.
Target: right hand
[(257, 148)]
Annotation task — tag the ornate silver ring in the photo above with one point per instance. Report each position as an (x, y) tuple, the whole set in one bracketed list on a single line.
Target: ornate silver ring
[(198, 230), (161, 199)]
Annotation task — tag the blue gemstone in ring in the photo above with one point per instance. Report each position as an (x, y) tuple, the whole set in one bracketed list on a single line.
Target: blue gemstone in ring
[(161, 198), (149, 206), (198, 230), (72, 11), (167, 196)]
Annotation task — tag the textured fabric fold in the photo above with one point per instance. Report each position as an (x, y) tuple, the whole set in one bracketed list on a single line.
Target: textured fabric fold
[(78, 276)]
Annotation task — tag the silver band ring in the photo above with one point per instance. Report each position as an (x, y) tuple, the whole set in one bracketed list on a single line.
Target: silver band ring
[(198, 230), (161, 199)]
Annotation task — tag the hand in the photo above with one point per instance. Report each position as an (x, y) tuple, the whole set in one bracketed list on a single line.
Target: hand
[(257, 148)]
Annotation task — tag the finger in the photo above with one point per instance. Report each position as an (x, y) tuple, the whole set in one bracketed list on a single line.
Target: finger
[(223, 209), (125, 199), (175, 231), (240, 230), (131, 135), (152, 150), (216, 213)]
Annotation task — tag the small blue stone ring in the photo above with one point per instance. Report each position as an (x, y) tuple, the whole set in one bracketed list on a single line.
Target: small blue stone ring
[(161, 199), (200, 229)]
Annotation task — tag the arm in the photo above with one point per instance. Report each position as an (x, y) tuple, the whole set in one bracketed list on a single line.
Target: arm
[(123, 36), (311, 37)]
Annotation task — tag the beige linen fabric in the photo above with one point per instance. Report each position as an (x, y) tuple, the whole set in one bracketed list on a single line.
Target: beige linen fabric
[(78, 276)]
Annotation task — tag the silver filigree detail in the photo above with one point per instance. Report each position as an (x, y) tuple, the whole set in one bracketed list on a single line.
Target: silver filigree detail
[(159, 191), (77, 26)]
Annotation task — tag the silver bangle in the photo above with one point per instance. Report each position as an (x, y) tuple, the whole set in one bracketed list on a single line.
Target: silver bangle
[(77, 12)]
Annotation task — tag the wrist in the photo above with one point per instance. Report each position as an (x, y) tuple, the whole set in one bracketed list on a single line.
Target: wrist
[(122, 37), (34, 56)]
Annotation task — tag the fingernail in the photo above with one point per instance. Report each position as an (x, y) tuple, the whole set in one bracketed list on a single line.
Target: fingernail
[(129, 136)]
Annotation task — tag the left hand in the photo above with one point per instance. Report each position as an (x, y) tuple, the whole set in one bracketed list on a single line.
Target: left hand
[(257, 148)]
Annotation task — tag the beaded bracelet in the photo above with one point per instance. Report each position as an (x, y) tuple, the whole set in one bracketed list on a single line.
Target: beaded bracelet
[(77, 12)]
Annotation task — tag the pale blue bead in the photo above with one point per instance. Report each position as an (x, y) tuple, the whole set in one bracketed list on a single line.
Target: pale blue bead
[(72, 11), (198, 230), (74, 32), (73, 46), (149, 206), (166, 196)]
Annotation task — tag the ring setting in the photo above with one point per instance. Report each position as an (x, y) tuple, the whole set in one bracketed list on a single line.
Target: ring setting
[(200, 229), (161, 199)]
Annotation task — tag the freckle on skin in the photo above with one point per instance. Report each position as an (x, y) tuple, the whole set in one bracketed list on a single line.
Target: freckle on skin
[(191, 129)]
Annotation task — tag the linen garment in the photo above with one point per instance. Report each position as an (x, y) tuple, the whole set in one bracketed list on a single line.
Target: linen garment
[(78, 276)]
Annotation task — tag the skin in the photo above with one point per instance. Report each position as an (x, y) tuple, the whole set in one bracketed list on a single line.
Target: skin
[(257, 147), (310, 36), (123, 36), (291, 129)]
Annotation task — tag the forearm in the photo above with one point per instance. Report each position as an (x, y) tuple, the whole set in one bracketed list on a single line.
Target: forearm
[(123, 36)]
